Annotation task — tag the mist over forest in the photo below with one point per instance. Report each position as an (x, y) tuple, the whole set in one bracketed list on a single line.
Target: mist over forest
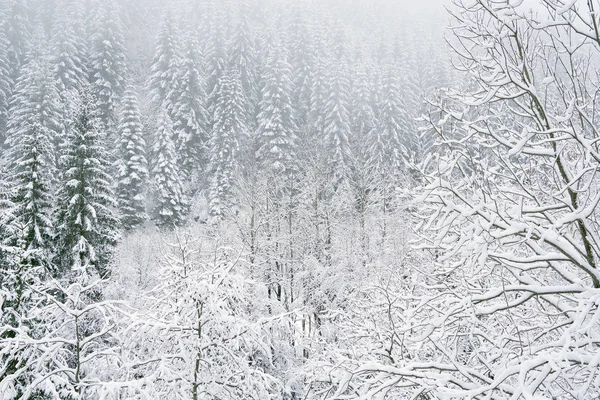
[(299, 199)]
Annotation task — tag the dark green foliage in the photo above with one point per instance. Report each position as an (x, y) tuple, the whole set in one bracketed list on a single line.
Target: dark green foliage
[(85, 221)]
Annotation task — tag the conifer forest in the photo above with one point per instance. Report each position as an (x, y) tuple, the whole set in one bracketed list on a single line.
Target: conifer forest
[(299, 199)]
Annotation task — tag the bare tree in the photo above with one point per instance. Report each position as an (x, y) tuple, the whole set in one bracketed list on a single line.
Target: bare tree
[(510, 206)]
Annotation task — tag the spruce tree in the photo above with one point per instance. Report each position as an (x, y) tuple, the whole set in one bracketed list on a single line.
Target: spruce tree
[(363, 119), (303, 65), (6, 206), (108, 66), (18, 28), (385, 141), (276, 123), (336, 118), (190, 114), (229, 127), (216, 56), (6, 84), (165, 64), (319, 81), (133, 167), (86, 224), (69, 49), (32, 127), (171, 205), (242, 58)]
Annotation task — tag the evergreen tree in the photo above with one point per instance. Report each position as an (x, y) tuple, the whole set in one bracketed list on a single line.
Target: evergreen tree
[(319, 81), (85, 219), (242, 58), (216, 56), (190, 114), (337, 117), (69, 49), (303, 64), (108, 67), (32, 127), (276, 124), (133, 167), (229, 127), (363, 120), (6, 207), (18, 28), (171, 205), (385, 142), (165, 64), (6, 84), (69, 56)]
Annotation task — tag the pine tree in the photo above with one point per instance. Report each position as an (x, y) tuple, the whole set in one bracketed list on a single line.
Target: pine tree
[(6, 207), (385, 142), (6, 84), (165, 64), (363, 119), (171, 205), (319, 80), (32, 127), (337, 117), (276, 124), (216, 56), (190, 114), (69, 56), (85, 220), (303, 64), (242, 58), (18, 28), (69, 49), (133, 167), (229, 127), (108, 66)]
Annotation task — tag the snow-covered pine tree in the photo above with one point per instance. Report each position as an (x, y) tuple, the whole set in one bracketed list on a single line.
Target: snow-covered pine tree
[(242, 57), (69, 53), (362, 120), (133, 167), (228, 129), (336, 112), (216, 56), (171, 204), (108, 64), (6, 84), (6, 207), (276, 124), (85, 221), (165, 64), (302, 60), (32, 127), (69, 48), (190, 114), (18, 28), (386, 144), (319, 90)]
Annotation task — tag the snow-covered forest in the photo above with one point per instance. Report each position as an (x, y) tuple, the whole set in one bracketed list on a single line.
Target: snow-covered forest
[(299, 199)]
